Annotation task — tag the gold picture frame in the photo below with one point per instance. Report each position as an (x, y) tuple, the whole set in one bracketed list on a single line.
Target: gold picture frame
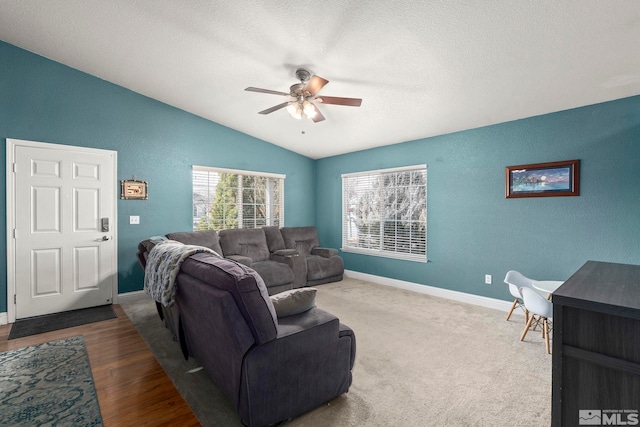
[(133, 189)]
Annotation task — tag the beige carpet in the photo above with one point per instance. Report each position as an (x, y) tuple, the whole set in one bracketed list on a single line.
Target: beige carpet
[(420, 361)]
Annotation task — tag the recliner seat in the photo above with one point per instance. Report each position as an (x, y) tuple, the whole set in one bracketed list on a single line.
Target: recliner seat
[(324, 265)]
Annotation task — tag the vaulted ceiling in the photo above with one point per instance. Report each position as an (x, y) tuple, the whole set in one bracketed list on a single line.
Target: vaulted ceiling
[(422, 68)]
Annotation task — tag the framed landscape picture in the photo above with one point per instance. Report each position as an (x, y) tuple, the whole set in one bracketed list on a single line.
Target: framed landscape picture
[(543, 179)]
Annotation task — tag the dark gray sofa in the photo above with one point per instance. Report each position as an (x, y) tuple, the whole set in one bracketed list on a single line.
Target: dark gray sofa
[(285, 258), (246, 246), (271, 369), (278, 263)]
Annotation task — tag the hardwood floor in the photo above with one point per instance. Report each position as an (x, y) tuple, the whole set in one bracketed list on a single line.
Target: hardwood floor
[(132, 388)]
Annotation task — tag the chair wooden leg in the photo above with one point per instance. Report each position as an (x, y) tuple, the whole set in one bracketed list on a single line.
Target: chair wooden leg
[(513, 306), (535, 325), (526, 328), (545, 327)]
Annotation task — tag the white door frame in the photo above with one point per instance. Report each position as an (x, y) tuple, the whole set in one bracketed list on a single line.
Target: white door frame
[(11, 220)]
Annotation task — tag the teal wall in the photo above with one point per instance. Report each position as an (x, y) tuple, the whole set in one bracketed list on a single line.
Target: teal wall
[(474, 230), (41, 100)]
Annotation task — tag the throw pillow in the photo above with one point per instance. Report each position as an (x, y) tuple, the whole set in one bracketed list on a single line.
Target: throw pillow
[(294, 301)]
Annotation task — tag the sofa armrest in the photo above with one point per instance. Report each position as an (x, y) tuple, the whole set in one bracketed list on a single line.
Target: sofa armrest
[(296, 262), (305, 366), (144, 248), (346, 331), (306, 321), (286, 252), (244, 260), (324, 252), (142, 259)]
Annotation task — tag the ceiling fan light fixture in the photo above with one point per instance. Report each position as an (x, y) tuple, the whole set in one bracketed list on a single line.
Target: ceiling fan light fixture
[(302, 95), (308, 109), (295, 110)]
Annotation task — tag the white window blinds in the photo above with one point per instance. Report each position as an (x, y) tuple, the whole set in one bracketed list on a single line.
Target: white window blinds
[(385, 212), (226, 198)]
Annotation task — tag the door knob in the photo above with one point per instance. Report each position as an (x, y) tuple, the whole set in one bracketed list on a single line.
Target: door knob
[(105, 238)]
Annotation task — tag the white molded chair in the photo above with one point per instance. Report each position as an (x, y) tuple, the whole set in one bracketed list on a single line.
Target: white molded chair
[(517, 280), (537, 305)]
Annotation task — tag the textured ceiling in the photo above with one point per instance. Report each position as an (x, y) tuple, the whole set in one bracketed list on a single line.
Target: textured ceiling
[(422, 67)]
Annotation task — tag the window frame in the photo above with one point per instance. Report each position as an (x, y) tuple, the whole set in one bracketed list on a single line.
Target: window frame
[(346, 219), (279, 177)]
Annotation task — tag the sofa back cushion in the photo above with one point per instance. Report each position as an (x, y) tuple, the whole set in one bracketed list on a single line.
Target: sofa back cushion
[(244, 284), (215, 332), (275, 242), (207, 238), (249, 242), (302, 239)]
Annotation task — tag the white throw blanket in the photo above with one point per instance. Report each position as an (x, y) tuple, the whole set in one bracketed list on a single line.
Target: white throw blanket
[(163, 265)]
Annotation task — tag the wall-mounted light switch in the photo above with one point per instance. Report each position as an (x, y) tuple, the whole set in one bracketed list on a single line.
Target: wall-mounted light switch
[(134, 219)]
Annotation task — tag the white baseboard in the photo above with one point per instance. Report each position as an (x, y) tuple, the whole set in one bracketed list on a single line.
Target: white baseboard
[(132, 294), (493, 303)]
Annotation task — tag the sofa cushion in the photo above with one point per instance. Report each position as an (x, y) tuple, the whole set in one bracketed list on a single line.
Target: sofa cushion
[(207, 238), (249, 242), (304, 246), (244, 284), (294, 301), (275, 242), (303, 239), (319, 267), (274, 273)]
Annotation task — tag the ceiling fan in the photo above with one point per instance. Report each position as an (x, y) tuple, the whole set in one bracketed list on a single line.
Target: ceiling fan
[(303, 96)]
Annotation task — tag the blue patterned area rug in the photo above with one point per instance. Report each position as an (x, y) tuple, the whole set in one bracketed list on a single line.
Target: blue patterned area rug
[(48, 384)]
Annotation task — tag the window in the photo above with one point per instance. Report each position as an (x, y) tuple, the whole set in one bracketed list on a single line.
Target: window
[(385, 213), (224, 198)]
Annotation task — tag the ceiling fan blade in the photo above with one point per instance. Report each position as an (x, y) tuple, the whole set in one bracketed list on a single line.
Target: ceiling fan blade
[(335, 100), (273, 92), (314, 85), (317, 117), (275, 108)]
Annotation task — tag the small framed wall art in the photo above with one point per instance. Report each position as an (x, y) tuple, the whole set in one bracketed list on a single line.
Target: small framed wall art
[(133, 189), (543, 179)]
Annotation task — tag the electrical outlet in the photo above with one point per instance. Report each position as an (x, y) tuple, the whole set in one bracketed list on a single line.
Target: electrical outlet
[(487, 279), (134, 219)]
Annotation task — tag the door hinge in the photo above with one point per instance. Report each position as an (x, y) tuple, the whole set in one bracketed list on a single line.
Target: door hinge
[(15, 233), (14, 299), (15, 167)]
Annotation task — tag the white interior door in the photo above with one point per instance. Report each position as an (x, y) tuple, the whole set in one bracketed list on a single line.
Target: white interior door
[(65, 250)]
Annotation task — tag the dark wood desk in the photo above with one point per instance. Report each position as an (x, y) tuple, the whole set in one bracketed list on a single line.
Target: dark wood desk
[(596, 342)]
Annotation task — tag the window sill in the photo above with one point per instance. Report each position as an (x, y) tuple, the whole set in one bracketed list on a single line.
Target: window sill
[(393, 255)]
